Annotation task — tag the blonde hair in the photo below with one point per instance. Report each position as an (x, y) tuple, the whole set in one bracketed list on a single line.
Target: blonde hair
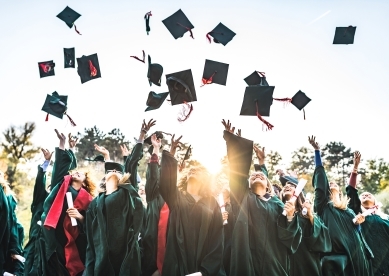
[(340, 203), (269, 185), (204, 177)]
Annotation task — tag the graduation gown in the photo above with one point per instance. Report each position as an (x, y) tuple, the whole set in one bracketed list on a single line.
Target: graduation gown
[(262, 238), (113, 224), (227, 229), (195, 229), (376, 233), (316, 240), (35, 265), (5, 229), (349, 255), (64, 237)]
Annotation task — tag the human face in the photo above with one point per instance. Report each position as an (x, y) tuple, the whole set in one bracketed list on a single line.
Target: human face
[(288, 190), (78, 176), (334, 187), (141, 190), (258, 178), (113, 173), (367, 199)]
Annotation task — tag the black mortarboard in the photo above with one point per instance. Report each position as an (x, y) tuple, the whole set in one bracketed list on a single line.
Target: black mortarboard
[(110, 166), (55, 104), (188, 153), (70, 57), (46, 68), (154, 101), (154, 73), (221, 34), (344, 35), (286, 178), (98, 158), (256, 78), (159, 135), (181, 87), (215, 72), (178, 24), (88, 68), (69, 16), (147, 19), (300, 100)]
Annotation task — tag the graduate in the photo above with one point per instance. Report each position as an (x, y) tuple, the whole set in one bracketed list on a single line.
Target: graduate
[(316, 237), (350, 254), (5, 228), (35, 265), (262, 237), (115, 217), (227, 228), (195, 230), (375, 228), (66, 244)]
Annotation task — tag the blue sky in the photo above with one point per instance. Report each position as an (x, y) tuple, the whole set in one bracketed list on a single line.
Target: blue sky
[(347, 83)]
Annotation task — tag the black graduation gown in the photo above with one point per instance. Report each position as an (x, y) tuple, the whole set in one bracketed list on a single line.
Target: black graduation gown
[(5, 229), (34, 250), (349, 251), (154, 206), (195, 229), (55, 239), (113, 225), (262, 238), (376, 233), (227, 229)]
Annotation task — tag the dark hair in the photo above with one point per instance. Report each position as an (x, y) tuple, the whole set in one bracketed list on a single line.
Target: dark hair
[(299, 202)]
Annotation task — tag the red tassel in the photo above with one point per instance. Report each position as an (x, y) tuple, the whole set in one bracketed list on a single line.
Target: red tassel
[(268, 125), (75, 28), (47, 117), (93, 70), (209, 37), (209, 80), (190, 30), (286, 101), (184, 116), (139, 58), (148, 14), (261, 73), (71, 120), (45, 67), (304, 113)]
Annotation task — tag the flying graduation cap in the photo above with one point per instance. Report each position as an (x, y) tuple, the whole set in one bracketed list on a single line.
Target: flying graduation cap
[(256, 78), (154, 100), (221, 34), (69, 16), (178, 24), (46, 68), (147, 20), (257, 102), (344, 35), (215, 72), (56, 105), (98, 158), (69, 57), (300, 100), (154, 73), (88, 68)]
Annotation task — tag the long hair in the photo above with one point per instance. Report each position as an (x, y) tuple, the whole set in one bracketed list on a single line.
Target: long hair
[(123, 180), (299, 201), (340, 203), (89, 185), (269, 185), (203, 176)]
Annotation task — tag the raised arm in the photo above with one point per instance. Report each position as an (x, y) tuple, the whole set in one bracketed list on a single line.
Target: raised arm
[(319, 181), (261, 156), (351, 190), (152, 173)]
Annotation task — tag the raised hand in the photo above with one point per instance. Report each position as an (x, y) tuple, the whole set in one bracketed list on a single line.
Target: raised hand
[(280, 172), (62, 139), (145, 128), (124, 149), (239, 133), (357, 159), (289, 208), (227, 126), (156, 142), (47, 154), (359, 219), (308, 205), (312, 141), (72, 141), (103, 151), (260, 154), (175, 144)]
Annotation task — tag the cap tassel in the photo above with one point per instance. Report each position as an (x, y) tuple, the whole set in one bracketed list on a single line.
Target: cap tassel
[(304, 113), (45, 67), (188, 29), (75, 28), (262, 74), (209, 80), (209, 37), (286, 101), (71, 120), (147, 18), (47, 117), (93, 70), (139, 58), (184, 116), (268, 125)]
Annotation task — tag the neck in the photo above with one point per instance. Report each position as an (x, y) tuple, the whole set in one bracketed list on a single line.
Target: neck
[(368, 205), (76, 185), (258, 189), (335, 197), (110, 186), (193, 187)]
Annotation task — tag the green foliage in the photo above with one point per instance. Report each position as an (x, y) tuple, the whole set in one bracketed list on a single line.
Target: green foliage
[(303, 161), (375, 177), (338, 158)]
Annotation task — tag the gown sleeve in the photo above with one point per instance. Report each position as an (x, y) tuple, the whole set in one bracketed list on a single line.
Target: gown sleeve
[(168, 179), (321, 185), (152, 179), (90, 250), (317, 236), (40, 193), (352, 193), (132, 163), (289, 234), (63, 163)]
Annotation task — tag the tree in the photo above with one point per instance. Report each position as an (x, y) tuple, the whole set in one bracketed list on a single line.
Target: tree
[(273, 159), (18, 148), (338, 158), (375, 176), (302, 161)]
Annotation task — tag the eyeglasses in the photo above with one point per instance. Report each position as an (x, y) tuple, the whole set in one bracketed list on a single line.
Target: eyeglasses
[(114, 171)]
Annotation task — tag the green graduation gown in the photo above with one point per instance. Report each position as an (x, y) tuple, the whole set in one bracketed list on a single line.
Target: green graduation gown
[(262, 238), (113, 224), (5, 229), (376, 232), (349, 254), (195, 229)]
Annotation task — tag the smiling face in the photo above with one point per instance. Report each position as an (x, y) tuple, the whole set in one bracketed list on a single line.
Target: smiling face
[(258, 178), (367, 200), (334, 187), (288, 191)]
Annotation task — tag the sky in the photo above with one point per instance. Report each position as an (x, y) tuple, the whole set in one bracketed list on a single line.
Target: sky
[(291, 41)]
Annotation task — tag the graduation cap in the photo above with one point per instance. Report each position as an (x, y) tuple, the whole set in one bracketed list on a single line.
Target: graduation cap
[(46, 68), (178, 24), (56, 105), (221, 34), (70, 57), (69, 16), (187, 156), (256, 78), (257, 102), (215, 72), (110, 166), (88, 68), (159, 135), (154, 73), (286, 178), (98, 158), (154, 100), (300, 100), (344, 35), (147, 19)]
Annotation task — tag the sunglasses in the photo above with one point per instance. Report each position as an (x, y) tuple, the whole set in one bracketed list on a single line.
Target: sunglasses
[(114, 171)]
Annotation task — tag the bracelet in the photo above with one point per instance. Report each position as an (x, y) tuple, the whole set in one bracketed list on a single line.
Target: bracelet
[(355, 170)]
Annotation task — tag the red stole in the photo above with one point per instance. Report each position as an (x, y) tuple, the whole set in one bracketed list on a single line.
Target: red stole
[(162, 229), (81, 203)]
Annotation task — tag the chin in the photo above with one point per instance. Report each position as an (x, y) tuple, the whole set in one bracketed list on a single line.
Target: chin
[(112, 176)]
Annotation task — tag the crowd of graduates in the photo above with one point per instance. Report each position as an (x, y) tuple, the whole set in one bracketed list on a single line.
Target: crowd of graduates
[(255, 227)]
